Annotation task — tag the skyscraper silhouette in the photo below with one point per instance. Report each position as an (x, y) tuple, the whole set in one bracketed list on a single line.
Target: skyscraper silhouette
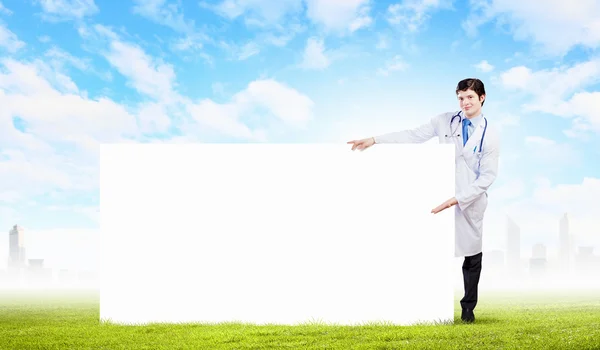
[(16, 248), (513, 246), (564, 244)]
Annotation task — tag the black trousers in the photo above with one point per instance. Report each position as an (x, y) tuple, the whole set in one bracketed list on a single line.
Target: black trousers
[(471, 269)]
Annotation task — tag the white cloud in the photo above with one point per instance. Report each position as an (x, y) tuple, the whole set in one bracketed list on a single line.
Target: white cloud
[(4, 10), (484, 66), (26, 78), (52, 70), (382, 42), (10, 196), (553, 83), (585, 105), (395, 64), (241, 52), (169, 15), (8, 215), (361, 19), (512, 190), (54, 114), (218, 88), (45, 39), (261, 98), (271, 12), (186, 43), (154, 117), (272, 23), (314, 55), (248, 50), (539, 141), (557, 28), (147, 75), (412, 14), (284, 102), (339, 16), (60, 10), (58, 150), (9, 40), (91, 212), (516, 78), (60, 57), (503, 121), (223, 118), (283, 36), (33, 175), (59, 60), (278, 35), (156, 79), (560, 91), (62, 131), (551, 152)]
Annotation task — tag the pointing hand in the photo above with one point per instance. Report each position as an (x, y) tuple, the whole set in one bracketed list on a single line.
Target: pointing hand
[(362, 144)]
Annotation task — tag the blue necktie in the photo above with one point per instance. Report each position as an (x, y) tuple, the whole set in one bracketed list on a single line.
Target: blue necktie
[(465, 130)]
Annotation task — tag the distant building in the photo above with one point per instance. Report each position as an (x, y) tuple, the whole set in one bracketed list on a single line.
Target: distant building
[(564, 237), (494, 259), (67, 277), (586, 252), (513, 246), (16, 248), (586, 262), (36, 264), (538, 251), (538, 262), (37, 273)]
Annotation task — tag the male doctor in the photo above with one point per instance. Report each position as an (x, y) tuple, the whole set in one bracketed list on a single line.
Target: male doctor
[(476, 157)]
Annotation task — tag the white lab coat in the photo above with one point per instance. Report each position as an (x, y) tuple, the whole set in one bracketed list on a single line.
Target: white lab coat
[(473, 178)]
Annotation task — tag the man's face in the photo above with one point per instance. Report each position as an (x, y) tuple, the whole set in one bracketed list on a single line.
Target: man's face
[(469, 102)]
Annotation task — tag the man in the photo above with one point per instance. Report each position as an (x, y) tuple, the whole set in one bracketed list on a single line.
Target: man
[(477, 151)]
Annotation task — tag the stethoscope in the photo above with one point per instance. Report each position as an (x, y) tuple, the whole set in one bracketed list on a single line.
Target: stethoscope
[(458, 135)]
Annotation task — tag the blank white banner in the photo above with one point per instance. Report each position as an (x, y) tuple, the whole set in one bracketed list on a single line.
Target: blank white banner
[(276, 233)]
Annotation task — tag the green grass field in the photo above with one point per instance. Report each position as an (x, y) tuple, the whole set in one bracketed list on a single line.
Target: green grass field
[(70, 320)]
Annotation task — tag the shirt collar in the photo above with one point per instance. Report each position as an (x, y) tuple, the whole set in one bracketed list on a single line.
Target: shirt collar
[(475, 120)]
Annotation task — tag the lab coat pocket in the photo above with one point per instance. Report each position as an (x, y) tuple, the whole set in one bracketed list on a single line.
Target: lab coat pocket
[(472, 161), (478, 208)]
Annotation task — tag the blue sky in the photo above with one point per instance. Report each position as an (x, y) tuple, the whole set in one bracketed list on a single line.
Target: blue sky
[(77, 73)]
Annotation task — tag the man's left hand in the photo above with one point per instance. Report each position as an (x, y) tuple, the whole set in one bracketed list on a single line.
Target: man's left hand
[(447, 204)]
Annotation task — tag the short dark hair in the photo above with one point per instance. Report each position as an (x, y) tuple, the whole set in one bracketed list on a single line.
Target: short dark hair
[(473, 84)]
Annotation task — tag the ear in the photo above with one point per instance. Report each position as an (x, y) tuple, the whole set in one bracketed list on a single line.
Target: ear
[(481, 98)]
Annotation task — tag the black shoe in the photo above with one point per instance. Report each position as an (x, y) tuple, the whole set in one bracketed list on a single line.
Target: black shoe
[(467, 316)]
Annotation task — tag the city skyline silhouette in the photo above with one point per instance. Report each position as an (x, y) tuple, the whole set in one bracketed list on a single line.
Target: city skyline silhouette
[(570, 263)]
